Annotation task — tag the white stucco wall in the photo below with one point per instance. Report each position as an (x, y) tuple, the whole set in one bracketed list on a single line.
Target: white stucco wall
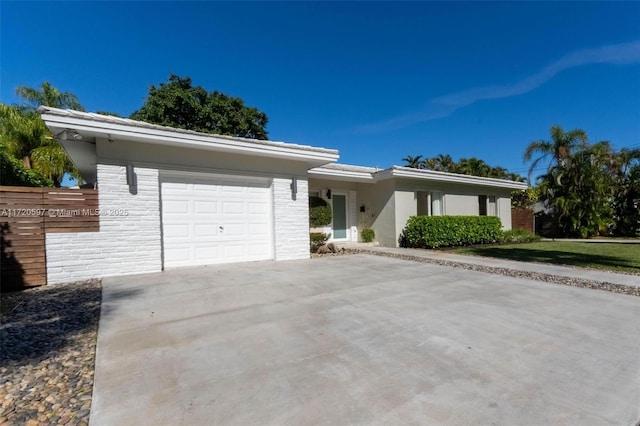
[(291, 219), (504, 211), (406, 206), (125, 244), (379, 215), (461, 205)]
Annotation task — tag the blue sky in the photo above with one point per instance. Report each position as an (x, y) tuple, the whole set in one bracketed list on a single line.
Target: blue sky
[(378, 81)]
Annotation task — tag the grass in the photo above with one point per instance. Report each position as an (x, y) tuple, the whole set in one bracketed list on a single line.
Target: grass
[(605, 256)]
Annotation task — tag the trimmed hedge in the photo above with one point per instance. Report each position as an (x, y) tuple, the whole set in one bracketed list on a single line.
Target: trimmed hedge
[(447, 231), (320, 213), (368, 235)]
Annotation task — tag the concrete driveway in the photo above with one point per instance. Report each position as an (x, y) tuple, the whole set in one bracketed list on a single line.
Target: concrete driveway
[(362, 339)]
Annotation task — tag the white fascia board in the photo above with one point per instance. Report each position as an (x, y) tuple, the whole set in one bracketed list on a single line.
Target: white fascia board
[(212, 143), (345, 175), (434, 176)]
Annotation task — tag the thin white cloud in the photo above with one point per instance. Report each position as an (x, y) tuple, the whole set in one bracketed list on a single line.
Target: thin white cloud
[(443, 106)]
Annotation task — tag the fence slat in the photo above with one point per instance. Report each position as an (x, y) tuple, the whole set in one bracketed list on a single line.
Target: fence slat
[(26, 215)]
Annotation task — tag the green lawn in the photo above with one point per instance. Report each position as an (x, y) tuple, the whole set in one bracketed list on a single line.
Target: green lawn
[(607, 256)]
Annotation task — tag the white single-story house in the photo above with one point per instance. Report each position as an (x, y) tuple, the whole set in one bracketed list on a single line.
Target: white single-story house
[(171, 197), (383, 200)]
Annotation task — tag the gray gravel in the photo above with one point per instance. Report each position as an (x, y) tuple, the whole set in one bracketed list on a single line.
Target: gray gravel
[(47, 352)]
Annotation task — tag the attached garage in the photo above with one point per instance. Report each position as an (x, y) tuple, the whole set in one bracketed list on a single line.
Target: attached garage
[(173, 198), (209, 219)]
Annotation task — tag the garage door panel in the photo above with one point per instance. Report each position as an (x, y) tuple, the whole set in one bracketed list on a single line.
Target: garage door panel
[(257, 208), (259, 229), (175, 230), (175, 207), (204, 254), (209, 220), (205, 230), (236, 207), (205, 207)]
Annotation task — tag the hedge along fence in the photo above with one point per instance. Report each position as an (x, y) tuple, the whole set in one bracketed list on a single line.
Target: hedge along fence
[(447, 231)]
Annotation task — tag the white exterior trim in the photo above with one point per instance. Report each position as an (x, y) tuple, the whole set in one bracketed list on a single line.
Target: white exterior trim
[(410, 173)]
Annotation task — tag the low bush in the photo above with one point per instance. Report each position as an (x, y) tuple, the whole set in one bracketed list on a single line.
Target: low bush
[(319, 212), (368, 235), (449, 231), (316, 239), (518, 236)]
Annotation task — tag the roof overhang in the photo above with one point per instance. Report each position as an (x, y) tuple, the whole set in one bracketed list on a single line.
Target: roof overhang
[(348, 173), (78, 131), (434, 176), (341, 175)]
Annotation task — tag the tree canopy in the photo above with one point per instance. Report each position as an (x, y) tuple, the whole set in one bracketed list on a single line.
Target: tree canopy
[(590, 188), (49, 96), (178, 103), (465, 166), (25, 138)]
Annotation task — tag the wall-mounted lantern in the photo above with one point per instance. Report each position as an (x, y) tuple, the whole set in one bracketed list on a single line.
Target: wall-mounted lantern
[(131, 175), (294, 188)]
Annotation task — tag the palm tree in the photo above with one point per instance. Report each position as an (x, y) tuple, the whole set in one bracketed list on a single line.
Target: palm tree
[(48, 95), (25, 136), (560, 147), (473, 166), (413, 162), (444, 163)]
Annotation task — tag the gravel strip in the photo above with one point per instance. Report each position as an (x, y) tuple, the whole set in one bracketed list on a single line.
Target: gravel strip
[(47, 353), (549, 278)]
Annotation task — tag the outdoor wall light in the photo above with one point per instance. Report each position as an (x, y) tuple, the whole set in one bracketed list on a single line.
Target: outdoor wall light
[(328, 194), (294, 187), (131, 175), (362, 209)]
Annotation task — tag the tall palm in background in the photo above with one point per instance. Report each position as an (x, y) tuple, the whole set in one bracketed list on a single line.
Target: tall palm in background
[(48, 95), (559, 148), (413, 162), (25, 136)]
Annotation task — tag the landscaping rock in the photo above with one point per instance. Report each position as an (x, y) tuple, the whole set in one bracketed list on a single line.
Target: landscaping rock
[(48, 340)]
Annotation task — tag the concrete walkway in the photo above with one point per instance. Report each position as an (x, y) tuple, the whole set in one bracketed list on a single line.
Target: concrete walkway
[(540, 268)]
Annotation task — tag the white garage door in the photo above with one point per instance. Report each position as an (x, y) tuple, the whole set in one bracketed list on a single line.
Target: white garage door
[(208, 219)]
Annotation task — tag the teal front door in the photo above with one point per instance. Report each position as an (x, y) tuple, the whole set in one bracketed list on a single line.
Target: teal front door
[(339, 216)]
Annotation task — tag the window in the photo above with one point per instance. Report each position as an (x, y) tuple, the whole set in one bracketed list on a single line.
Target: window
[(487, 205), (437, 204), (482, 205)]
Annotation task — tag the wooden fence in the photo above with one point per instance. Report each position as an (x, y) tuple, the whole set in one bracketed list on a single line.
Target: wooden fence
[(522, 219), (26, 215)]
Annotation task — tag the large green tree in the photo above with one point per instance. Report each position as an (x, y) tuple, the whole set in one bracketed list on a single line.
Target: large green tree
[(178, 103)]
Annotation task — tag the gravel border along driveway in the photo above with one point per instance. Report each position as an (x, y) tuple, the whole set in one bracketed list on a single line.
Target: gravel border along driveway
[(47, 353)]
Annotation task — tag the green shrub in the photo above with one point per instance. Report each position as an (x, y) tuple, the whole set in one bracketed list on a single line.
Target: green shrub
[(368, 235), (319, 212), (518, 236), (316, 239), (447, 231)]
